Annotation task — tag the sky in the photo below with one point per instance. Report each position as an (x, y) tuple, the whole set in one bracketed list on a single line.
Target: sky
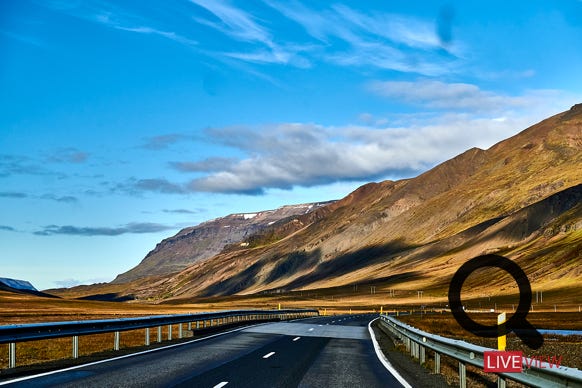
[(122, 122)]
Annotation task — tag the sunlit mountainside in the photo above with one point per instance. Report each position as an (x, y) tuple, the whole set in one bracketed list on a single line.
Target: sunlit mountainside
[(520, 198)]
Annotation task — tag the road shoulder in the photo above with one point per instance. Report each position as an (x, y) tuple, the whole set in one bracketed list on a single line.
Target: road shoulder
[(411, 371)]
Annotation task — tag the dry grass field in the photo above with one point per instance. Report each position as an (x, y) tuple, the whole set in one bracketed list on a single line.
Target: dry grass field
[(19, 309)]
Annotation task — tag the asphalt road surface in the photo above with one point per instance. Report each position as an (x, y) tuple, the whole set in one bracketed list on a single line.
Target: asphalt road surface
[(317, 352)]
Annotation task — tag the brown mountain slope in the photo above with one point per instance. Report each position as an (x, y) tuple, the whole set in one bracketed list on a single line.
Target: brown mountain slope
[(200, 242), (521, 197), (387, 228)]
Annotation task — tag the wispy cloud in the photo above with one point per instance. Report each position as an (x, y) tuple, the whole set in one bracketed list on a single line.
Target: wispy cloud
[(22, 165), (113, 16), (165, 34), (135, 186), (182, 211), (243, 27), (337, 34), (131, 228), (380, 40), (206, 165), (461, 96), (63, 199), (13, 194), (7, 228), (161, 142), (69, 155), (50, 197)]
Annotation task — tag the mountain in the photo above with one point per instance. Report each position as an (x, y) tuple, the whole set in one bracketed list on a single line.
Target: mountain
[(16, 286), (197, 243), (519, 198)]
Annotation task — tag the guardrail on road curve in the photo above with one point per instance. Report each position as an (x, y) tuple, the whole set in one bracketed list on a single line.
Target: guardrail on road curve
[(12, 334), (534, 374)]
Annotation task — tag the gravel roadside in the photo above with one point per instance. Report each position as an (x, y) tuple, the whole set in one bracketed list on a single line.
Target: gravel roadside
[(413, 372)]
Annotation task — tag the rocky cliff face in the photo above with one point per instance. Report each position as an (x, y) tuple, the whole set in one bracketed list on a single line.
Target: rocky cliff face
[(197, 243)]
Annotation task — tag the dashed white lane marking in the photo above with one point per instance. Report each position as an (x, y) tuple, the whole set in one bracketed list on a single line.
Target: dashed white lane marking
[(296, 339), (268, 355), (220, 385), (310, 329)]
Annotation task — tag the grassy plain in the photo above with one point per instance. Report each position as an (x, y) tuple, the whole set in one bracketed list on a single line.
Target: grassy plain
[(20, 309)]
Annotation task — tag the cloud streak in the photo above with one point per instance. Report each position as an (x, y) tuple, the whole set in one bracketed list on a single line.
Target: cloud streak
[(441, 95), (69, 155), (379, 40), (243, 27), (88, 231), (50, 197)]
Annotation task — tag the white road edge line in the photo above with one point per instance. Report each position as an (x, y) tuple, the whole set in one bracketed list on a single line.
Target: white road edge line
[(296, 339), (383, 358), (220, 385), (268, 355), (17, 380)]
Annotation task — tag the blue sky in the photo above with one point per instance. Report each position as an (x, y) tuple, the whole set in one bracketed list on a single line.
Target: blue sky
[(123, 121)]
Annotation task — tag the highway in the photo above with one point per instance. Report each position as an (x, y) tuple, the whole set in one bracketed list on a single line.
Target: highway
[(317, 352)]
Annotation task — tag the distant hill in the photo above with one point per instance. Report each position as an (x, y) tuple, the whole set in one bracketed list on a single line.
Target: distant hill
[(197, 243), (21, 287), (17, 284), (520, 198)]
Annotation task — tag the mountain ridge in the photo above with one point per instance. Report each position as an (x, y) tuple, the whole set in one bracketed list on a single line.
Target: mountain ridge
[(419, 229), (197, 243)]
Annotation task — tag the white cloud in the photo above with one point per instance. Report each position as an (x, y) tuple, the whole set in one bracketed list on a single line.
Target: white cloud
[(289, 155), (468, 97)]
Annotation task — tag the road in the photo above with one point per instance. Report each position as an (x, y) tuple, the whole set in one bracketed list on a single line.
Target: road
[(317, 352)]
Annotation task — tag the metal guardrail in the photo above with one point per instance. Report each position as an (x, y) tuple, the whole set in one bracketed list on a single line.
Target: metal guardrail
[(12, 334), (534, 374)]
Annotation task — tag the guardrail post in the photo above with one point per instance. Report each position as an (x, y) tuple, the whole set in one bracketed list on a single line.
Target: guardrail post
[(422, 355), (197, 325), (211, 322), (169, 332), (116, 341), (159, 334), (180, 330), (12, 355), (147, 336), (501, 382), (75, 346), (462, 375), (437, 362), (189, 325)]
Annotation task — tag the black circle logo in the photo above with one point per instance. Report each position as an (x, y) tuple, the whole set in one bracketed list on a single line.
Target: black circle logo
[(517, 322)]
